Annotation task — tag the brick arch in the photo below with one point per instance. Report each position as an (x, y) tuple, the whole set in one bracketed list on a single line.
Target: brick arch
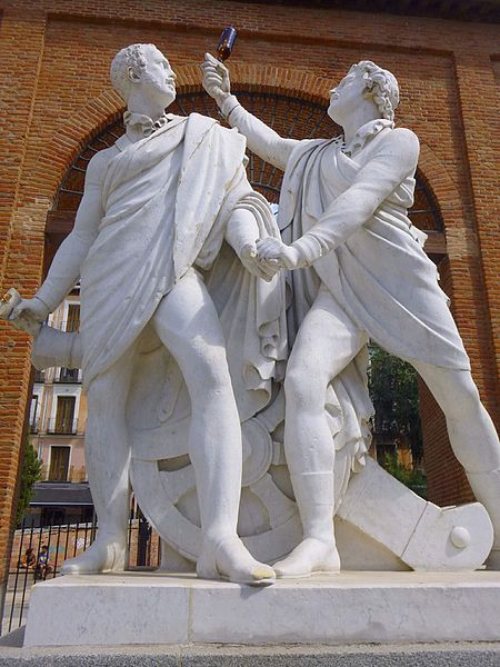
[(434, 172), (107, 107), (460, 241), (93, 118), (103, 112), (73, 135), (280, 80)]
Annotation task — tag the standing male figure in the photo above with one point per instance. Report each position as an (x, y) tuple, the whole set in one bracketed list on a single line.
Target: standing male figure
[(156, 207), (345, 201)]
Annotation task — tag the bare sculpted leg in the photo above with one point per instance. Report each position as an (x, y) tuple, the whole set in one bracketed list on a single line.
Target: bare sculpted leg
[(472, 435), (188, 325), (107, 454), (326, 343)]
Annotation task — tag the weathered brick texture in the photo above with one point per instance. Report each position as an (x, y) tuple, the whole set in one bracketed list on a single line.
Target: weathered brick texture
[(55, 95)]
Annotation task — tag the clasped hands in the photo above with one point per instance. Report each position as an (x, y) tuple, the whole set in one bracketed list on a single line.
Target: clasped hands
[(266, 257)]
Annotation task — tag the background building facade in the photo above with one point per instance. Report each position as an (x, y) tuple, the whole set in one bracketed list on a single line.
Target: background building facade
[(58, 410), (57, 101)]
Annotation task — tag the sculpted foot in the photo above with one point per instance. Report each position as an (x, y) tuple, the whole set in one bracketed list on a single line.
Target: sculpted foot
[(311, 556), (104, 555), (231, 560)]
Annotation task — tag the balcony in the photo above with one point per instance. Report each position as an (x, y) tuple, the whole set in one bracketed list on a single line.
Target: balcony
[(34, 426), (69, 325), (57, 426), (68, 376), (39, 376)]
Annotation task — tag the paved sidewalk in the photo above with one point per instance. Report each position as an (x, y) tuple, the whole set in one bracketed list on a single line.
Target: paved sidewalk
[(423, 655)]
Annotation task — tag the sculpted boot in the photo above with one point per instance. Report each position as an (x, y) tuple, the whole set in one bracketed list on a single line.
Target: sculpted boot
[(229, 559)]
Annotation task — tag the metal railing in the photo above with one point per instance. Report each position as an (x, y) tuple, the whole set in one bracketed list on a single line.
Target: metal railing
[(69, 326), (39, 376), (68, 375), (56, 426), (63, 541)]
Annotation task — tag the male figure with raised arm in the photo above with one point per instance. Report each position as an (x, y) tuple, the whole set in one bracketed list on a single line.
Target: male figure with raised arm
[(345, 202), (156, 208)]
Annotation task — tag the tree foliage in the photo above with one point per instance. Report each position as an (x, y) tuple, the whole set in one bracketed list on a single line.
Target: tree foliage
[(414, 479), (393, 385), (31, 472)]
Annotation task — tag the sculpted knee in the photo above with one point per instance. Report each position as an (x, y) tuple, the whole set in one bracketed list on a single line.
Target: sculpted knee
[(210, 368), (301, 388)]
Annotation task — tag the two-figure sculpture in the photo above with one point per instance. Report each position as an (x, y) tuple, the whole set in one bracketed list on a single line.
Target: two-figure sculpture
[(183, 308)]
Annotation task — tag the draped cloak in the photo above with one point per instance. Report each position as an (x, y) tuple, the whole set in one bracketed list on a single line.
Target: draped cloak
[(167, 200), (380, 276)]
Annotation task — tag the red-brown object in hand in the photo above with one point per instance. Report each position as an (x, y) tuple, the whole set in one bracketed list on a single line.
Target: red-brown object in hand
[(226, 43)]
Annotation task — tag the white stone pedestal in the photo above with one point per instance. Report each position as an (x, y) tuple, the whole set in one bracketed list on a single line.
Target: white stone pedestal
[(352, 607)]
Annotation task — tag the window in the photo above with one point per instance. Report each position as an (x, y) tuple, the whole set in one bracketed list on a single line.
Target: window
[(34, 414), (73, 321), (59, 464), (64, 421)]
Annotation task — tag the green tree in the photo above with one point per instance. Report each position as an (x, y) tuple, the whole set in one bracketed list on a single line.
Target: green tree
[(414, 479), (31, 472), (393, 385)]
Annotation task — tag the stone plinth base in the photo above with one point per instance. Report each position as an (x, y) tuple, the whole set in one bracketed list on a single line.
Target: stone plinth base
[(350, 608)]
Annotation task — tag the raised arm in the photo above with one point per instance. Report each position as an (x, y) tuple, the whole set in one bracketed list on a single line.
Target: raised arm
[(394, 160), (65, 269), (261, 139)]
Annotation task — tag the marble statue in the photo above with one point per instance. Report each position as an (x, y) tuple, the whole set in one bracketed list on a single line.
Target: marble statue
[(364, 273), (187, 321), (159, 208)]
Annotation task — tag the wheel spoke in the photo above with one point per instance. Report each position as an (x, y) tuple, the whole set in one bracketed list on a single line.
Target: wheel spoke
[(279, 506), (178, 482)]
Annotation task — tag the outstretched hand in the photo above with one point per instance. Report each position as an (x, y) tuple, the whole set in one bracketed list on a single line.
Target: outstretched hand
[(34, 308), (23, 314), (274, 250), (28, 315), (215, 78)]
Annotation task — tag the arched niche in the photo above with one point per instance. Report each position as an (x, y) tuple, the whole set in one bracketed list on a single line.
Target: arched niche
[(290, 116)]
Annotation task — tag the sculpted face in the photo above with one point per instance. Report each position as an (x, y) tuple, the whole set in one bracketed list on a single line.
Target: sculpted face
[(157, 79), (346, 96)]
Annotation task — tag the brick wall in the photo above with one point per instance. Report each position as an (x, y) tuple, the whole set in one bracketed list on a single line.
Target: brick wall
[(55, 94)]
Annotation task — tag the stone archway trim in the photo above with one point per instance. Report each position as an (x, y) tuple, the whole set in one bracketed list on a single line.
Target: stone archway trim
[(459, 241)]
